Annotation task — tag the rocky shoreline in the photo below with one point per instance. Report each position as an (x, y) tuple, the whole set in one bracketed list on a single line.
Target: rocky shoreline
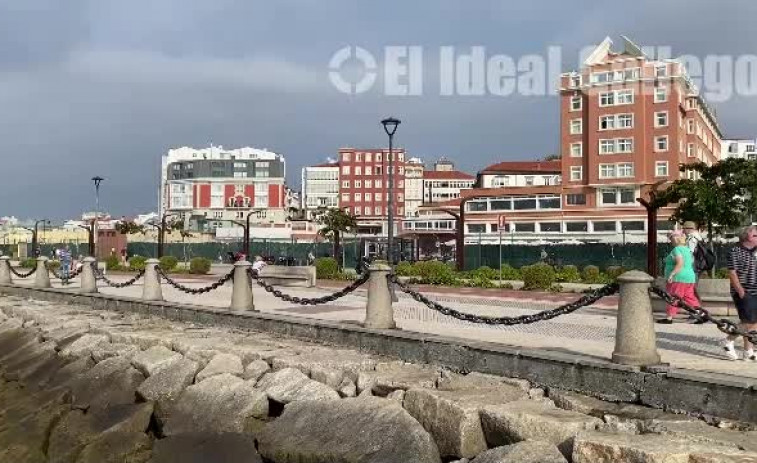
[(85, 386)]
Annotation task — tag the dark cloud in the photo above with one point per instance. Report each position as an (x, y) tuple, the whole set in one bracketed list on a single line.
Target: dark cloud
[(106, 87)]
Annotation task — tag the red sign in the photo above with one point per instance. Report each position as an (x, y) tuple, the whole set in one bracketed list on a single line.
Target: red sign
[(502, 222)]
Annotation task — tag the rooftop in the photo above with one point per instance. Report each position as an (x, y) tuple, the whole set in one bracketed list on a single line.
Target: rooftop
[(447, 175), (524, 166)]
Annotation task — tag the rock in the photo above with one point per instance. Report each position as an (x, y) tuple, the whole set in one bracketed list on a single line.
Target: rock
[(221, 363), (71, 371), (398, 396), (203, 447), (41, 372), (111, 382), (108, 350), (255, 370), (392, 376), (598, 447), (153, 359), (450, 381), (84, 345), (346, 430), (290, 385), (701, 432), (344, 361), (165, 386), (365, 393), (117, 447), (347, 388), (452, 417), (76, 429), (531, 451), (536, 393), (523, 420), (221, 403), (331, 377)]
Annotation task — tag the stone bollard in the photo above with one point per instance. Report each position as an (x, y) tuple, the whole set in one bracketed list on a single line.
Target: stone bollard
[(88, 280), (5, 271), (241, 293), (378, 309), (41, 277), (151, 290), (635, 340)]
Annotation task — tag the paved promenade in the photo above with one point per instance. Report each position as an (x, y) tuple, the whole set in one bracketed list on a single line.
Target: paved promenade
[(589, 331)]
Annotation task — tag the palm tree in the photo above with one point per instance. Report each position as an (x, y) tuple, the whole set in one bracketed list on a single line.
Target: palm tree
[(335, 222)]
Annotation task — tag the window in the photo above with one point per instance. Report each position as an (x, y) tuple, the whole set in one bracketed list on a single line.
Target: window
[(368, 197), (401, 156), (345, 170), (576, 173), (379, 183), (240, 174), (368, 170), (690, 150), (606, 122), (501, 180), (624, 96), (660, 95), (633, 225), (661, 169), (625, 170), (345, 183), (575, 81), (216, 195), (576, 126), (379, 170), (615, 145), (549, 227), (346, 157), (576, 199), (575, 103), (616, 121), (358, 170), (606, 146), (625, 121), (614, 196), (357, 157), (529, 227), (576, 227), (625, 145), (529, 180), (218, 215), (476, 228), (367, 210), (549, 202), (661, 143), (357, 211), (401, 170), (607, 171), (358, 184), (477, 206), (369, 183), (690, 126), (501, 204), (605, 226), (240, 165), (522, 204), (661, 70), (378, 157), (576, 150), (661, 119), (238, 190), (357, 197), (368, 157), (345, 197), (607, 99), (400, 197)]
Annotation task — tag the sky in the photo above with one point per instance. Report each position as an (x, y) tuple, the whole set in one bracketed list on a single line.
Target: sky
[(105, 87)]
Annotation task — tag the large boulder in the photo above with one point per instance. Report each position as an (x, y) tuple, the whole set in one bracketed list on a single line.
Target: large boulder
[(452, 417), (166, 386), (221, 403), (84, 345), (205, 447), (392, 376), (290, 385), (599, 447), (221, 363), (528, 419), (117, 447), (108, 350), (346, 430), (255, 370), (112, 381), (530, 451), (154, 359)]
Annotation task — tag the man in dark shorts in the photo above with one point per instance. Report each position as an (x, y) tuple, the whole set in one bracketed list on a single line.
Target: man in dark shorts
[(742, 271)]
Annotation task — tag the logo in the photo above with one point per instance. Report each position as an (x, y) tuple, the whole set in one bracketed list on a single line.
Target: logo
[(337, 65)]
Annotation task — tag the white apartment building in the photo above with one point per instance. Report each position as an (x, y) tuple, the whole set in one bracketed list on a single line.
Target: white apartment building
[(413, 186), (520, 174), (320, 188), (742, 148)]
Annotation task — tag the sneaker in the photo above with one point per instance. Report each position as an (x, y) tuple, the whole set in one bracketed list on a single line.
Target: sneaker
[(730, 351), (750, 355)]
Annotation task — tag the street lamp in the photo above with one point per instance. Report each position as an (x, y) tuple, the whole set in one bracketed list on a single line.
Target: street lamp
[(97, 181), (35, 234), (390, 127), (246, 226)]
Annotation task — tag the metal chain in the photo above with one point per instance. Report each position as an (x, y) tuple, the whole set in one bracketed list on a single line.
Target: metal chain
[(71, 275), (588, 299), (100, 276), (726, 326), (189, 290), (23, 275), (309, 301)]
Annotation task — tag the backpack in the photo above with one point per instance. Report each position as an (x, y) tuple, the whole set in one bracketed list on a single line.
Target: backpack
[(704, 258)]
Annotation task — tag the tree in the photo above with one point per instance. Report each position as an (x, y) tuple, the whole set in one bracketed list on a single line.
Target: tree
[(335, 222), (128, 227), (719, 196)]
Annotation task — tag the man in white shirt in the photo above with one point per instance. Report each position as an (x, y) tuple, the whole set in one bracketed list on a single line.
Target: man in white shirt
[(258, 265), (692, 235)]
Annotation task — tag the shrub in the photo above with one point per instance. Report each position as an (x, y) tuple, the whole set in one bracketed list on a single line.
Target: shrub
[(112, 263), (53, 264), (538, 276), (199, 266), (326, 267), (510, 273), (721, 273), (29, 263), (405, 269), (433, 272), (568, 274), (479, 282), (614, 271), (168, 263), (591, 274), (484, 272), (137, 263)]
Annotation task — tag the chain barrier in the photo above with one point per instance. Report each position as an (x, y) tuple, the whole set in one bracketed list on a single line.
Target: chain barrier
[(588, 299), (700, 314), (23, 275), (101, 276), (309, 301), (70, 276), (189, 290)]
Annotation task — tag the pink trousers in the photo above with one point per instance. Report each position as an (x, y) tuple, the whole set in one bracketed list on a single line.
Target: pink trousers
[(683, 290)]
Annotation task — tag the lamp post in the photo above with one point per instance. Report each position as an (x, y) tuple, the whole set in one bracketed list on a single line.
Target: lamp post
[(246, 226), (390, 127), (97, 181), (35, 234)]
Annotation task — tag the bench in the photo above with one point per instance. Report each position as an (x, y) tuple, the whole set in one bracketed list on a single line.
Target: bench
[(280, 275)]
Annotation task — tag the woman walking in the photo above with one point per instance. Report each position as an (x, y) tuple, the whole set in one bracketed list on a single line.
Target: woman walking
[(680, 275)]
